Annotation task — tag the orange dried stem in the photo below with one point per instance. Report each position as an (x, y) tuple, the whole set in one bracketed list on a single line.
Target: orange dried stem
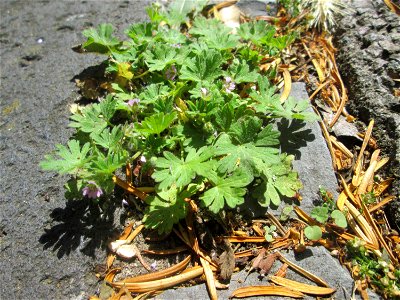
[(129, 188)]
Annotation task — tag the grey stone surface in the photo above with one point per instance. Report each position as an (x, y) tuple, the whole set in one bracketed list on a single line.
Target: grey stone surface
[(312, 161), (48, 248), (254, 8)]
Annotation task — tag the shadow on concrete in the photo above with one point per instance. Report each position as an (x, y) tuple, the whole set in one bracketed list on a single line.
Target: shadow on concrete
[(295, 134), (80, 224)]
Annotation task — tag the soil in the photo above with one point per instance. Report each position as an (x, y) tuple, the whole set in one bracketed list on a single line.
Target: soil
[(368, 42), (50, 246)]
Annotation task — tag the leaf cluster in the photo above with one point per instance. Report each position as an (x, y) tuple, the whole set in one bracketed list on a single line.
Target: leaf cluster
[(203, 115)]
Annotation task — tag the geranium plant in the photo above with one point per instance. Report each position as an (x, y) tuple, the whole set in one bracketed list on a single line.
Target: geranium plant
[(187, 102)]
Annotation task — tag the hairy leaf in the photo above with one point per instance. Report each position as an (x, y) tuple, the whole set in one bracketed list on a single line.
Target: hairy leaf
[(164, 210), (240, 72), (89, 119), (160, 57), (141, 32), (73, 159), (247, 156), (109, 140), (258, 32), (171, 170), (245, 129), (229, 191), (278, 180), (178, 11), (156, 123), (100, 40), (320, 213), (203, 67)]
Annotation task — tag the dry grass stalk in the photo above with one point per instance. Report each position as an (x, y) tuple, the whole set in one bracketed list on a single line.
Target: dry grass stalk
[(161, 284), (381, 204), (378, 234), (162, 273), (252, 291), (368, 175), (129, 188), (210, 280), (367, 232), (303, 272), (328, 141), (287, 85), (166, 251), (302, 287), (341, 147), (358, 164)]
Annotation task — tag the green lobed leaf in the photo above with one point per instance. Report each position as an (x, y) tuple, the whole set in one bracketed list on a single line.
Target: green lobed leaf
[(320, 213), (171, 170), (89, 119), (240, 72), (225, 117), (179, 10), (73, 159), (156, 123), (227, 191), (161, 56), (141, 33), (153, 92), (106, 165), (246, 156), (109, 139), (100, 40), (278, 180), (258, 32), (164, 210), (245, 129), (205, 66)]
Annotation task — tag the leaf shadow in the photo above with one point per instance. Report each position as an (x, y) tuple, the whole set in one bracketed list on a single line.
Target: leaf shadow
[(80, 225), (295, 134)]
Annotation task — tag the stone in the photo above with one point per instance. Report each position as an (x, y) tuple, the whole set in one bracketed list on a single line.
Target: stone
[(254, 8)]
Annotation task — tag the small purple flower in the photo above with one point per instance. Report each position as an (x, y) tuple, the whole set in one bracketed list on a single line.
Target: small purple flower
[(176, 45), (171, 73), (124, 203), (92, 190), (153, 266), (204, 91), (229, 84), (133, 102)]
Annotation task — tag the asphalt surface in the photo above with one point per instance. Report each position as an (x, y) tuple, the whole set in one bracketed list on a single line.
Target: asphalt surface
[(48, 246)]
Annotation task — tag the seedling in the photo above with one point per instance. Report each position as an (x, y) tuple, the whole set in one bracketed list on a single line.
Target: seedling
[(322, 214), (270, 233)]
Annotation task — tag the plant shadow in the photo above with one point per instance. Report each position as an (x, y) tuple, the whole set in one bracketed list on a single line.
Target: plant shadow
[(82, 225), (295, 134)]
